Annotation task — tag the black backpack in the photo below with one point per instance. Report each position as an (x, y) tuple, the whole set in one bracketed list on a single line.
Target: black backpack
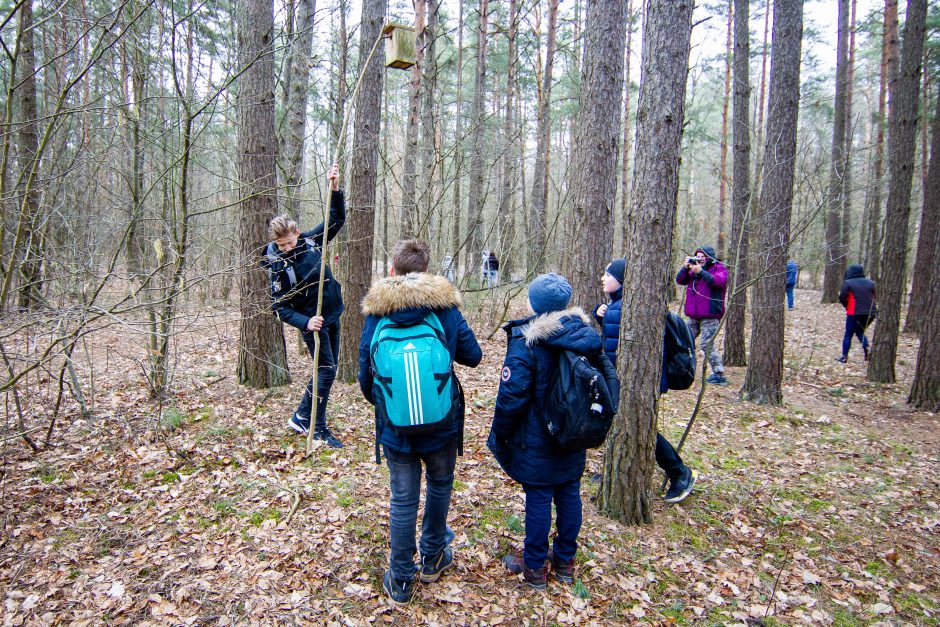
[(679, 354), (581, 400)]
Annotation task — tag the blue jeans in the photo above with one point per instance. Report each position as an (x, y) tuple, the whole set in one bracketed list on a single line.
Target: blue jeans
[(538, 522), (404, 471), (855, 325), (329, 358), (790, 296)]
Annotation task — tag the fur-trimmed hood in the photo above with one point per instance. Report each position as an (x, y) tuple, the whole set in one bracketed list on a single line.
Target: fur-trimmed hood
[(416, 290), (569, 329)]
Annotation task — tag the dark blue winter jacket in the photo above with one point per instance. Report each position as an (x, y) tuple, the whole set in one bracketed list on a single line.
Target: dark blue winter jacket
[(793, 272), (610, 325), (407, 300), (517, 438), (295, 275)]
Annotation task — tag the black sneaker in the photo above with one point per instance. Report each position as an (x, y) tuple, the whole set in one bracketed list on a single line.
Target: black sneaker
[(399, 592), (842, 359), (537, 579), (717, 379), (298, 424), (563, 570), (327, 436), (681, 487), (432, 567)]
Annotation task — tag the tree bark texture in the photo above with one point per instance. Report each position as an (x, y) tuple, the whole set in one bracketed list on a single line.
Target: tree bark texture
[(409, 212), (925, 263), (30, 251), (363, 180), (455, 243), (510, 136), (596, 148), (764, 379), (626, 489), (477, 132), (735, 348), (903, 97), (262, 356), (849, 140), (723, 166), (835, 251), (539, 214), (293, 144), (627, 135), (925, 393)]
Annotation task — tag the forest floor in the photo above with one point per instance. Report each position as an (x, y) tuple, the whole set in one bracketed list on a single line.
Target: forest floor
[(822, 511)]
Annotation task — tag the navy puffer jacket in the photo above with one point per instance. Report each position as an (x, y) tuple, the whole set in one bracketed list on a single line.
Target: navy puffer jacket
[(610, 325), (517, 438)]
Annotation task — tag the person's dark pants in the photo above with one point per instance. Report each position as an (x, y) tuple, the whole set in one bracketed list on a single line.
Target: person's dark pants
[(538, 522), (855, 325), (668, 458), (404, 471), (790, 296), (329, 358)]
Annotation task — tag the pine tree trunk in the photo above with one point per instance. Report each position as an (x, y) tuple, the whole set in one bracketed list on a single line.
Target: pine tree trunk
[(723, 167), (597, 144), (262, 356), (455, 243), (363, 181), (410, 218), (835, 253), (293, 144), (903, 96), (539, 215), (510, 176), (626, 488), (735, 349), (925, 263), (428, 201), (764, 379), (759, 114), (849, 140), (30, 251), (478, 132), (627, 136)]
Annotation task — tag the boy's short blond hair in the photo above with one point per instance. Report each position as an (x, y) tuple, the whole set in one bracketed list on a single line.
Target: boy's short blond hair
[(281, 226), (411, 255)]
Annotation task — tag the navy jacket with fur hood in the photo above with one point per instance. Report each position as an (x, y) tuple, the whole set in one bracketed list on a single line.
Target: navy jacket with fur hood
[(295, 275), (517, 438), (407, 300)]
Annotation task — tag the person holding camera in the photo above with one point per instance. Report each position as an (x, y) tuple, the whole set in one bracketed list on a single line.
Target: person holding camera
[(705, 279)]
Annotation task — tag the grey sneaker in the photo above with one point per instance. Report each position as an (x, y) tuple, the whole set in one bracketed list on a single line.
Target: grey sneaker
[(432, 567), (400, 592)]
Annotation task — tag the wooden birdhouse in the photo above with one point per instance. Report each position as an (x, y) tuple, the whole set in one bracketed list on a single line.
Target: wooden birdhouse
[(400, 44)]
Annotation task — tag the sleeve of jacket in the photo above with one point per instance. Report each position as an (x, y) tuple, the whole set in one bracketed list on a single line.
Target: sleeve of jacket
[(365, 367), (610, 377), (468, 352), (285, 313), (717, 276), (844, 294), (683, 277), (515, 390), (337, 219)]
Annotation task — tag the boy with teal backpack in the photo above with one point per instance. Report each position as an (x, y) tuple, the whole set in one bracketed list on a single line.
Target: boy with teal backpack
[(413, 334)]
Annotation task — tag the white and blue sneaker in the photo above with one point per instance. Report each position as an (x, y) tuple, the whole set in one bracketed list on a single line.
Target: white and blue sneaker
[(298, 424)]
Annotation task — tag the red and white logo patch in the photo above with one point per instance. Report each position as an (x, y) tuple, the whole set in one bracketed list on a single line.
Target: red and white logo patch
[(506, 373)]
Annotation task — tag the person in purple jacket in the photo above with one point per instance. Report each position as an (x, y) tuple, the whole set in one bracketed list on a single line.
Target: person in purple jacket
[(705, 279)]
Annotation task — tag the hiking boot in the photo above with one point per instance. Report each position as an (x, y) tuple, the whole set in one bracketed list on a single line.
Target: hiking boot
[(400, 592), (563, 570), (432, 567), (536, 578), (681, 487), (717, 379), (298, 424), (327, 436), (842, 359)]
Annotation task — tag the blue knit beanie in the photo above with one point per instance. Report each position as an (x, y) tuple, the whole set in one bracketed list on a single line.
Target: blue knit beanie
[(549, 292), (616, 269)]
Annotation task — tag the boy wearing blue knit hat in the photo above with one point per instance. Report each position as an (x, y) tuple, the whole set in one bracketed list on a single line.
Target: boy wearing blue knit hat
[(518, 439)]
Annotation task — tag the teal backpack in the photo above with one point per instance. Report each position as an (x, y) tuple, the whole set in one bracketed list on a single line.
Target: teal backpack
[(416, 391)]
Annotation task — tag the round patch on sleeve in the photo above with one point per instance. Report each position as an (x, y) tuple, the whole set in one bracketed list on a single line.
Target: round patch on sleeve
[(506, 373)]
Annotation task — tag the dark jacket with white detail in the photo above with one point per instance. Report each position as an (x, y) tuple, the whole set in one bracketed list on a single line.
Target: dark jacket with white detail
[(518, 438), (295, 275), (406, 300)]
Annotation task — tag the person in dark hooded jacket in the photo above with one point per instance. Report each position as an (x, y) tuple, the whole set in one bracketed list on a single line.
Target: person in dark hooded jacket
[(793, 273), (293, 260), (681, 478), (519, 440), (706, 280), (405, 298), (858, 297)]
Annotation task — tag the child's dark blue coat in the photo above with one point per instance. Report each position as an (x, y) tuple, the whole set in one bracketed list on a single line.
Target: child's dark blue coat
[(517, 438)]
